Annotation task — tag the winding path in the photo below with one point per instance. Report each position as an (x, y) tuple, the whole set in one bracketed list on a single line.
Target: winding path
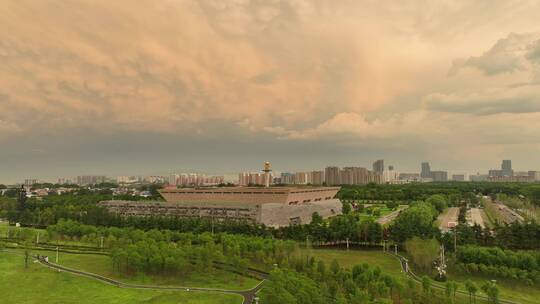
[(406, 269), (248, 295)]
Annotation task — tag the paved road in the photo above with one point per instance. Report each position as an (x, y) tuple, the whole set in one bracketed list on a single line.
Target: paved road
[(476, 217), (383, 220), (449, 215), (509, 216)]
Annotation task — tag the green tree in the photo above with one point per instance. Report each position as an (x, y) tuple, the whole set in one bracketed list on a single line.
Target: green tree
[(426, 288), (334, 267), (438, 201), (422, 252), (492, 292), (471, 289), (346, 208), (414, 221)]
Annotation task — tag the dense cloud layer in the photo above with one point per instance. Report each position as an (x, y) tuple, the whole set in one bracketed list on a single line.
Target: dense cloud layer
[(431, 80)]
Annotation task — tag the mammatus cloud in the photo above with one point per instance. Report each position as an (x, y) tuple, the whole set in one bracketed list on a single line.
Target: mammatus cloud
[(365, 73), (172, 66)]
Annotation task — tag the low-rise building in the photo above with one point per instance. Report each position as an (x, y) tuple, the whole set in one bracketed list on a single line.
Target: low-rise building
[(272, 206)]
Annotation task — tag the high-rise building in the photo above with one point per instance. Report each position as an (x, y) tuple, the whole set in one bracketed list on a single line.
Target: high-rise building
[(426, 170), (478, 177), (506, 167), (255, 178), (30, 182), (495, 173), (173, 179), (90, 179), (534, 175), (439, 176), (317, 177), (301, 178), (378, 165), (390, 176), (287, 178), (332, 176)]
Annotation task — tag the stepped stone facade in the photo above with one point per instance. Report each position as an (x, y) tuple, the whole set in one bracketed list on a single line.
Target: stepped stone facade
[(272, 206)]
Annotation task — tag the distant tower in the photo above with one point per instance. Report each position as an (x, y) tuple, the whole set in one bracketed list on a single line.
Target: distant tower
[(378, 165), (506, 167), (267, 171), (426, 170)]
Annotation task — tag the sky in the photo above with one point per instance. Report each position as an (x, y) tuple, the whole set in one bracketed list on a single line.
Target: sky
[(153, 87)]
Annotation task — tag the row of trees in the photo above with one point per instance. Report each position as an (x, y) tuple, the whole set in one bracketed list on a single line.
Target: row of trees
[(455, 191), (336, 229), (314, 282), (508, 236), (528, 260), (528, 277)]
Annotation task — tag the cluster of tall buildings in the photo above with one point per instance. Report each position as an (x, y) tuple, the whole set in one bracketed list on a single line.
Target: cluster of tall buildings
[(194, 179), (330, 176), (84, 180), (255, 178), (436, 176), (507, 174)]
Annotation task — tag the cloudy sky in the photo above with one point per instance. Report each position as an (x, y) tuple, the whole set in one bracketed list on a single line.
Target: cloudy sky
[(152, 87)]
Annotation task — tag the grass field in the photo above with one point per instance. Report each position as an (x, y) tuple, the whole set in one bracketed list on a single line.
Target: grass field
[(101, 265), (390, 265), (509, 290), (39, 284), (381, 207)]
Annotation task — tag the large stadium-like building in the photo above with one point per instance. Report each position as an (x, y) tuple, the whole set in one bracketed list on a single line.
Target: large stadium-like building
[(272, 206)]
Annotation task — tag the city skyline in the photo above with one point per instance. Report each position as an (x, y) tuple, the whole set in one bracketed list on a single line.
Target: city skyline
[(154, 87), (425, 172)]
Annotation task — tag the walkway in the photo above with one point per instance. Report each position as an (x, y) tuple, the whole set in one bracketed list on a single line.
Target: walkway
[(406, 269), (248, 295), (391, 216)]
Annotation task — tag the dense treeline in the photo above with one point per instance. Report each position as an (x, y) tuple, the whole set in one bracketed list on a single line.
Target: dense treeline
[(455, 191), (315, 282), (528, 260), (173, 252), (495, 262), (336, 229), (509, 236), (296, 277)]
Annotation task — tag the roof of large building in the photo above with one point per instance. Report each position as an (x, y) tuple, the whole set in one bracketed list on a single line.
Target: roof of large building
[(253, 195)]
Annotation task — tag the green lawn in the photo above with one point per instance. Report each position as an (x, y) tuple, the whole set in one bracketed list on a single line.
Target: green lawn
[(390, 265), (509, 290), (39, 284), (349, 258), (383, 209), (101, 265)]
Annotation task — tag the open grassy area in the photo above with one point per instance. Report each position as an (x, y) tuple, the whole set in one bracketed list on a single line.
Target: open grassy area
[(381, 207), (351, 257), (39, 284), (100, 264), (509, 290)]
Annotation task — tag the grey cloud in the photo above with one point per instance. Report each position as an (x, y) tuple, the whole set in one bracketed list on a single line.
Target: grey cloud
[(533, 53), (519, 99), (505, 56)]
